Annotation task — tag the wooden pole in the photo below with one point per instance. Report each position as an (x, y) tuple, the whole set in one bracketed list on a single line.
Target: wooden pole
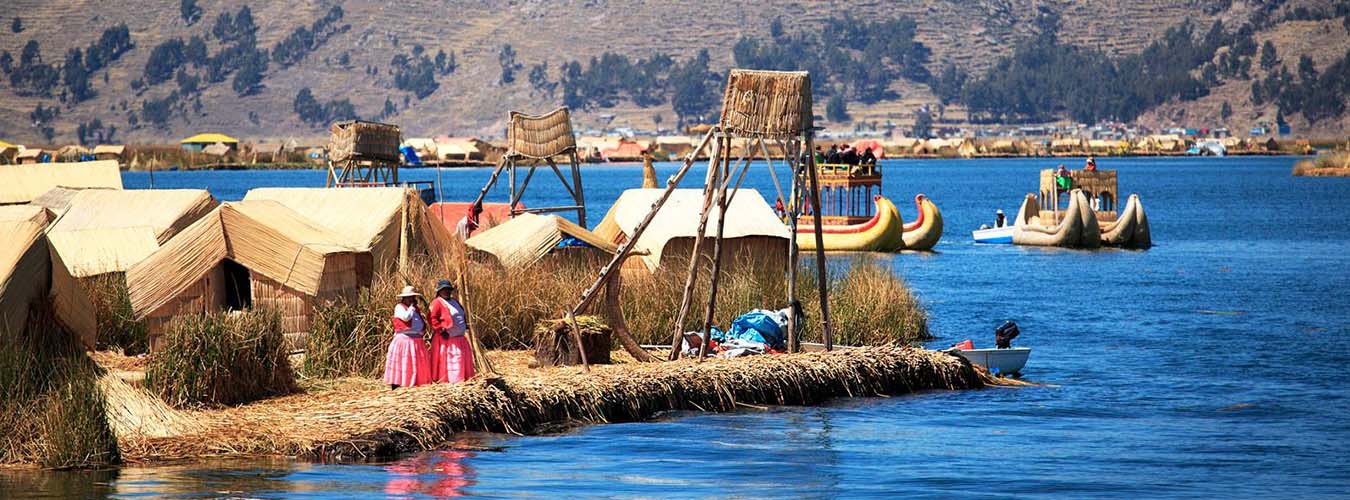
[(691, 278), (481, 363), (717, 259), (627, 247), (827, 329), (578, 194), (794, 209)]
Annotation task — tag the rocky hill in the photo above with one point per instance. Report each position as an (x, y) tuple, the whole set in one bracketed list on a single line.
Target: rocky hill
[(351, 63)]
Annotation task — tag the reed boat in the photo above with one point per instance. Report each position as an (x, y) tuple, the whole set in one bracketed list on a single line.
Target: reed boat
[(856, 217), (1088, 219)]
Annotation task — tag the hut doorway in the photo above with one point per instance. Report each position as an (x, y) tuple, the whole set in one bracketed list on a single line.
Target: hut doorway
[(238, 287)]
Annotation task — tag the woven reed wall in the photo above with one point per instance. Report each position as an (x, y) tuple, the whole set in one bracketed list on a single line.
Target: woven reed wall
[(358, 140), (206, 295), (294, 307), (755, 250), (540, 136), (772, 104)]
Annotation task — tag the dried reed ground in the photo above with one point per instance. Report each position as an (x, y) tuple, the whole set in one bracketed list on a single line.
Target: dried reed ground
[(352, 419)]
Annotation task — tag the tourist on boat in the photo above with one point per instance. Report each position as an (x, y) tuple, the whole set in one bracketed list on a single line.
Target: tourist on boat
[(451, 356), (408, 362), (820, 157), (849, 156), (1091, 165), (1062, 180), (833, 155), (868, 158), (999, 219), (1005, 333)]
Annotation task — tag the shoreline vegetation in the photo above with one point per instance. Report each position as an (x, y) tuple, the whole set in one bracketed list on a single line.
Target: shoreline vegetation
[(227, 385), (1327, 165)]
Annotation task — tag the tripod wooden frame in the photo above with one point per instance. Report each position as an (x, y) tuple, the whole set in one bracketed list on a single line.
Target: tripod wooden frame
[(758, 106)]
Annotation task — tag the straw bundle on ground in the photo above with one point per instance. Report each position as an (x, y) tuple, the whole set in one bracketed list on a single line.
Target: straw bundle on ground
[(554, 346), (366, 420)]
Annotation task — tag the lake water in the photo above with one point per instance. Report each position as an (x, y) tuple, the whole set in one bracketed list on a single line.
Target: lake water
[(1212, 365)]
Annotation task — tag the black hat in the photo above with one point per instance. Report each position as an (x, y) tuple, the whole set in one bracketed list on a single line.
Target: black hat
[(444, 284)]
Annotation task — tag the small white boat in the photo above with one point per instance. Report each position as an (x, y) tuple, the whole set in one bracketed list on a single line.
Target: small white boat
[(998, 361), (997, 235)]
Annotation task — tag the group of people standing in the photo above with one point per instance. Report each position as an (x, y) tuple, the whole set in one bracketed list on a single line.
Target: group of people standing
[(846, 154), (449, 359)]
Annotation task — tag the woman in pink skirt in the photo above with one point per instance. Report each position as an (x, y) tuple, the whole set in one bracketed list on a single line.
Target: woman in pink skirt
[(408, 362), (451, 357)]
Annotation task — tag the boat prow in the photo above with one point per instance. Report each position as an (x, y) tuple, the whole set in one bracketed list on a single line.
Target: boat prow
[(998, 361), (926, 230), (884, 232)]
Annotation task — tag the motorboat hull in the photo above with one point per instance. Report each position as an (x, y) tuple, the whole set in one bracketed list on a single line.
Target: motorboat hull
[(994, 236), (998, 361)]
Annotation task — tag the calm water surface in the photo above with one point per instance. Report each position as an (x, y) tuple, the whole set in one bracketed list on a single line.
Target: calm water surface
[(1212, 365)]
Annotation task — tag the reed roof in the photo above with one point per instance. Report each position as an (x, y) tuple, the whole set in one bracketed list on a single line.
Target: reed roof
[(112, 149), (25, 213), (104, 231), (748, 215), (540, 136), (526, 238), (263, 236), (209, 138), (369, 219), (23, 183), (772, 104), (30, 270)]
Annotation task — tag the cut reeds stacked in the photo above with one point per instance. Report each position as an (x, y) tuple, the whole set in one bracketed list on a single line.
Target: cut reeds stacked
[(541, 136), (374, 422), (554, 344)]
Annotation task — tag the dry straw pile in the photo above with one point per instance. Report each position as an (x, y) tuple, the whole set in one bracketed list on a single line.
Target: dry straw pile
[(221, 359)]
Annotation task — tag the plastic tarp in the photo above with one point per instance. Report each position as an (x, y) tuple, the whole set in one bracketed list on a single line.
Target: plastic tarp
[(748, 215), (758, 326)]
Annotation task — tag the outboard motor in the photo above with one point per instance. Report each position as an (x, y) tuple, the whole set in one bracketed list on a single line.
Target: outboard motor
[(1005, 333)]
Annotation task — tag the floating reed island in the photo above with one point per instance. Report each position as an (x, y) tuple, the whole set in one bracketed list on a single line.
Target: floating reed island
[(1327, 165), (360, 419)]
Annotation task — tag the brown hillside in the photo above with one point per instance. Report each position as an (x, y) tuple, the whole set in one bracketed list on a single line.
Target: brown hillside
[(971, 33)]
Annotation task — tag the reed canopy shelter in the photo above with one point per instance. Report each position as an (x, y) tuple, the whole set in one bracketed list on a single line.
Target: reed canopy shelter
[(532, 142), (752, 233), (391, 223), (107, 231), (23, 183), (32, 275), (242, 255), (528, 239)]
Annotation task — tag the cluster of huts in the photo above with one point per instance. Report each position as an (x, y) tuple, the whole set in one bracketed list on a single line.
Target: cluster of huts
[(183, 252)]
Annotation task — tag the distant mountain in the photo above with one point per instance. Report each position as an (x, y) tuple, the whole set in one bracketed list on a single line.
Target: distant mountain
[(141, 71)]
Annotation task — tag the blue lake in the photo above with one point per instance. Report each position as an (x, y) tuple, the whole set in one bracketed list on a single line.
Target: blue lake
[(1209, 366)]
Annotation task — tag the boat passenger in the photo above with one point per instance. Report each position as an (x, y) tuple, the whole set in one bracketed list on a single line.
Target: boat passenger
[(820, 157), (999, 219), (451, 355), (833, 155), (868, 158), (408, 363), (849, 156), (1062, 180), (1091, 165)]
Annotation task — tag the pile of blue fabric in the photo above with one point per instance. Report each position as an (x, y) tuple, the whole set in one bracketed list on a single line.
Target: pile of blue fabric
[(571, 241), (763, 327)]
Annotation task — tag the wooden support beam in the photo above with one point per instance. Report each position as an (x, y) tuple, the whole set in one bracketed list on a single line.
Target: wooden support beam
[(709, 188)]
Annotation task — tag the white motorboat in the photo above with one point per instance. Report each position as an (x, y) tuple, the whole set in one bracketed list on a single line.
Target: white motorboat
[(998, 235), (998, 361)]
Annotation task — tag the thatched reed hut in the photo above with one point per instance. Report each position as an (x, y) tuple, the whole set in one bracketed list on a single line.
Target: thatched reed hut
[(112, 152), (529, 238), (31, 271), (200, 142), (107, 231), (392, 223), (23, 183), (32, 156), (1066, 145), (25, 213), (249, 254), (752, 232)]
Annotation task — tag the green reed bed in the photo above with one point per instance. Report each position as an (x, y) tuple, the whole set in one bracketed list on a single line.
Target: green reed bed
[(221, 359), (52, 412)]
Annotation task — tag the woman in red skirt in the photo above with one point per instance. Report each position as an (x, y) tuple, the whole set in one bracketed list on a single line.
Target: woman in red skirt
[(408, 362), (451, 357)]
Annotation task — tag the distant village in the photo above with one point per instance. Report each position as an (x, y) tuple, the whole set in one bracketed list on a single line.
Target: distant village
[(218, 150)]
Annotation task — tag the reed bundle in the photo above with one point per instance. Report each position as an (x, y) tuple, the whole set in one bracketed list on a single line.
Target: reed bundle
[(365, 421), (117, 323), (221, 359), (554, 346)]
